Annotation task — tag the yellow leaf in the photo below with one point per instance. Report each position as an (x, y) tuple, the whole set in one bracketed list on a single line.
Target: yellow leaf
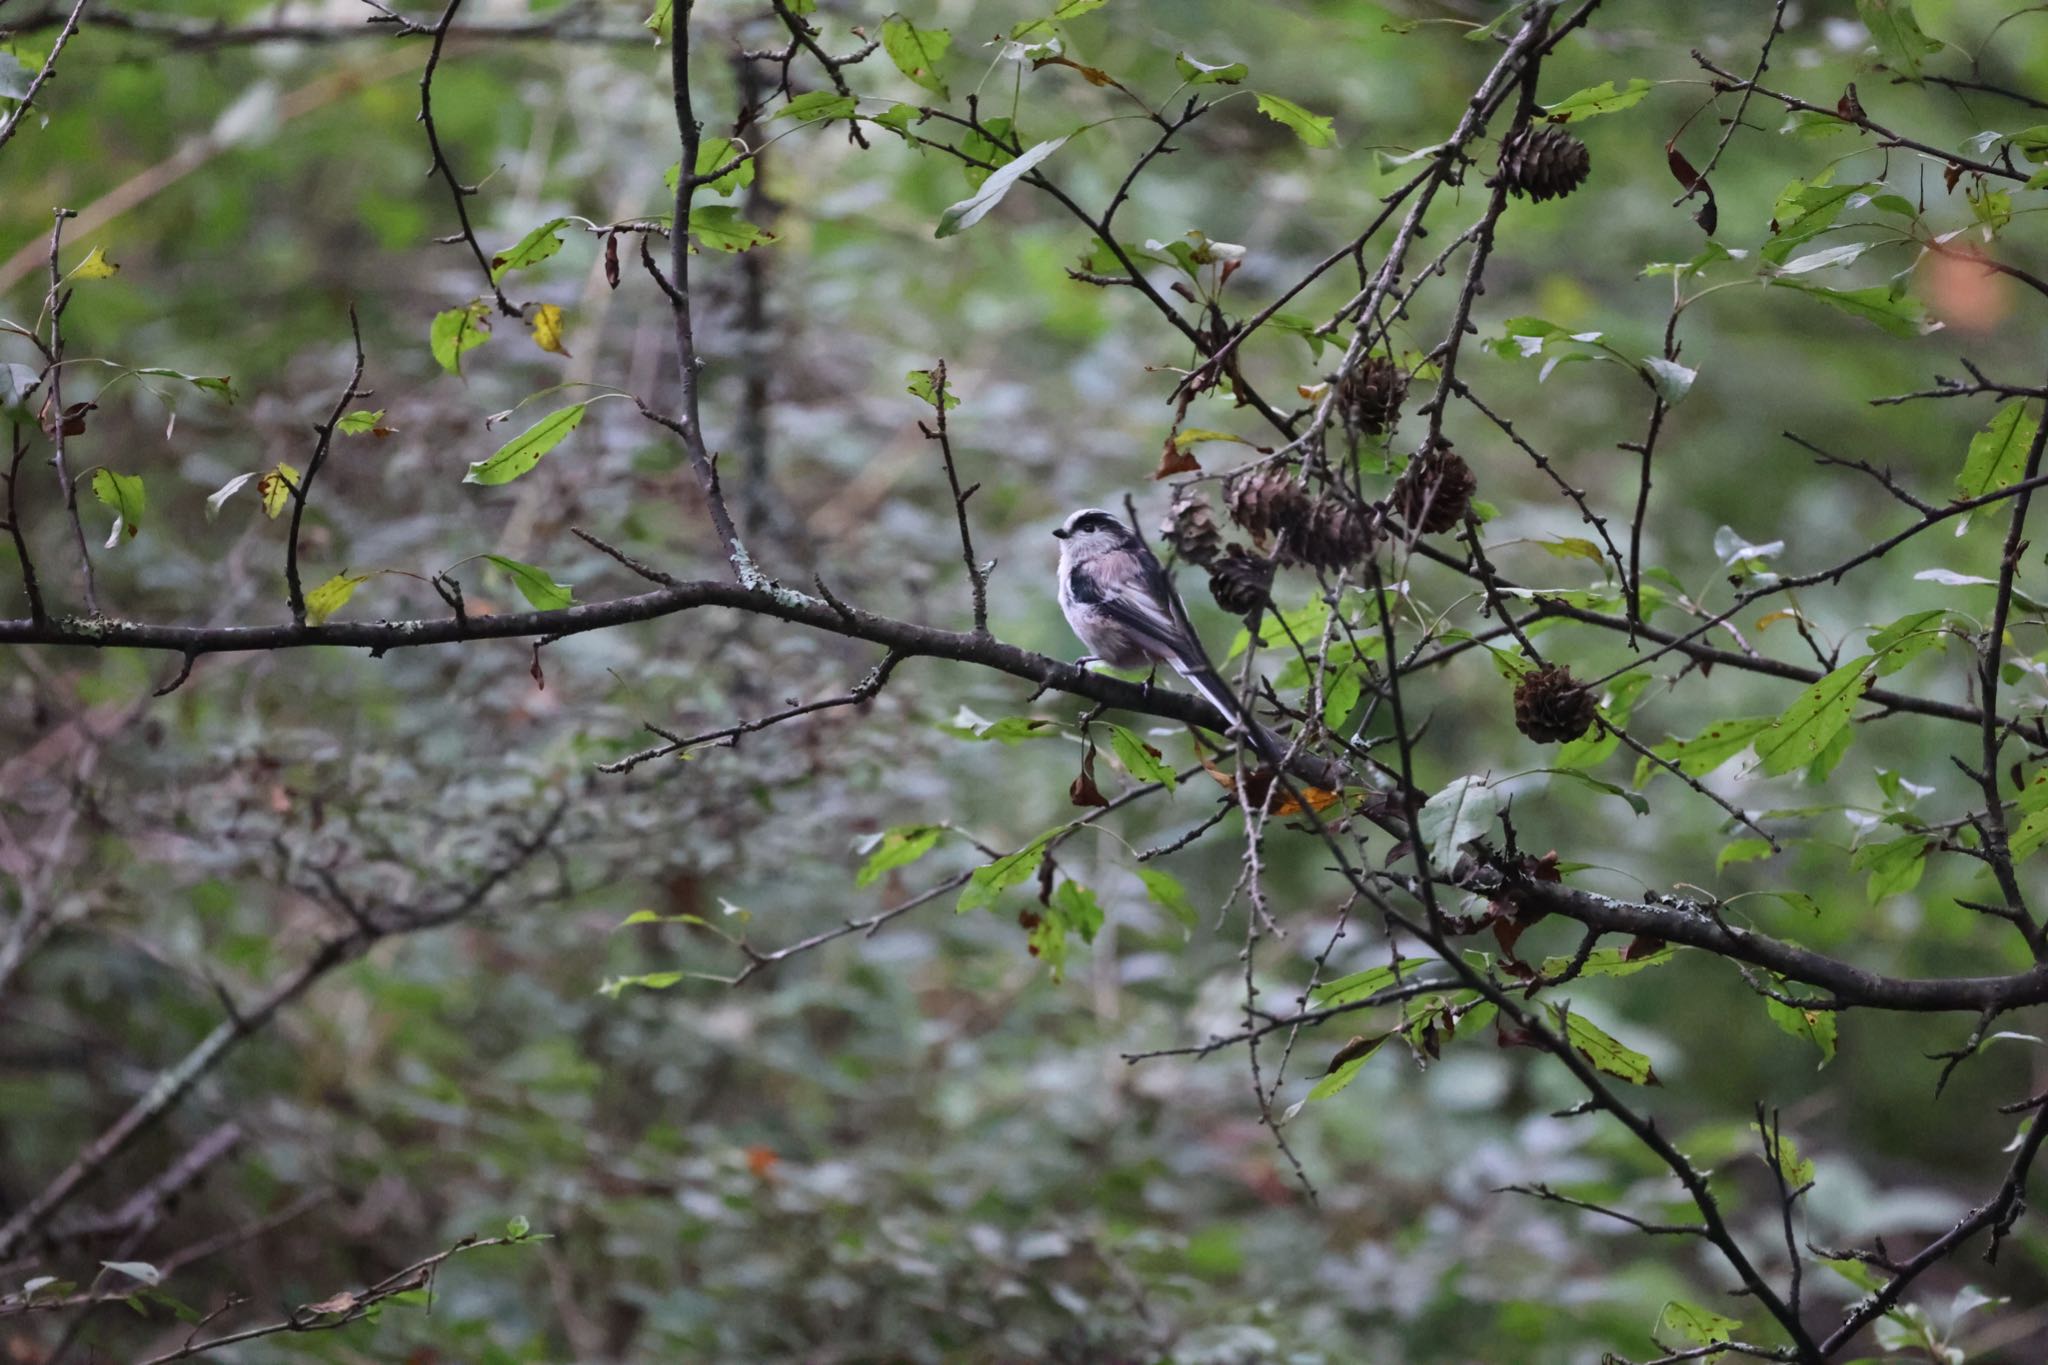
[(95, 266), (275, 488), (1767, 621), (332, 596), (547, 329)]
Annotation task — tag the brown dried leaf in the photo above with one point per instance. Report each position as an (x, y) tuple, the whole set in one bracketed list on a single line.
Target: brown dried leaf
[(1175, 460), (1849, 107), (1083, 791)]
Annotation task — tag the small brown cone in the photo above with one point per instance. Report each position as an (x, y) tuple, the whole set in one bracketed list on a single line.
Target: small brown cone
[(1190, 528), (1542, 161), (1553, 707), (1335, 535), (1369, 395), (1435, 492), (1266, 502), (1240, 581)]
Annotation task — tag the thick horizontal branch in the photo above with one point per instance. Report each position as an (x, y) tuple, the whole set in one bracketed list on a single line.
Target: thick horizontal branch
[(905, 637)]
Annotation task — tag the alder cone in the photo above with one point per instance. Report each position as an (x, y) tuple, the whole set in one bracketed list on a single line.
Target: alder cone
[(1190, 528), (1542, 161), (1335, 535), (1266, 502), (1369, 395), (1240, 580), (1553, 707), (1435, 493)]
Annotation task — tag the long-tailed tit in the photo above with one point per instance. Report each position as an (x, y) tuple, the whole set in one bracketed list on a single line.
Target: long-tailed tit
[(1119, 600)]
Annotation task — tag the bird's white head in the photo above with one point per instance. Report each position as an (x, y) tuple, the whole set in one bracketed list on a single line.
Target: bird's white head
[(1090, 532)]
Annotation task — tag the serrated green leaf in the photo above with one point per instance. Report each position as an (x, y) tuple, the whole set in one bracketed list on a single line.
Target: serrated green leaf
[(524, 451), (1706, 751), (1607, 1053), (1167, 892), (1998, 454), (535, 584), (458, 331), (1312, 129), (923, 385), (124, 494), (720, 227), (966, 213), (361, 422), (535, 247), (818, 104), (988, 883), (899, 847), (1901, 42), (1814, 718), (1900, 314), (1683, 1323), (1138, 759), (1895, 867), (1597, 99), (1009, 730), (331, 596), (1816, 1026), (1368, 983), (917, 52)]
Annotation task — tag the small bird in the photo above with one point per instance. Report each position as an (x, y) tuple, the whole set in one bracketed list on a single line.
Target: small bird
[(1119, 600)]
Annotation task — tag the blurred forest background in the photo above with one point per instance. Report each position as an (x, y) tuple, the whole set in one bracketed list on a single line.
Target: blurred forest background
[(924, 1143)]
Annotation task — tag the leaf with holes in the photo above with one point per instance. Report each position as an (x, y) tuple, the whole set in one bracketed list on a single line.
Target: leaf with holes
[(535, 247), (1597, 99), (523, 451), (1814, 718), (1607, 1053), (720, 227), (1139, 758), (917, 52), (1682, 1324)]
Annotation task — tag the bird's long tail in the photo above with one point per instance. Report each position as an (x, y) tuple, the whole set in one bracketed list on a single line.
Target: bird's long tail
[(1205, 680)]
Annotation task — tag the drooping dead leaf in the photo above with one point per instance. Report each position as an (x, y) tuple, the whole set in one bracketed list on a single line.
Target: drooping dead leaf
[(1261, 781), (1175, 459), (1083, 791)]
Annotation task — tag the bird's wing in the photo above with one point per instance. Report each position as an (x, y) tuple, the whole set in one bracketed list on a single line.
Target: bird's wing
[(1131, 588)]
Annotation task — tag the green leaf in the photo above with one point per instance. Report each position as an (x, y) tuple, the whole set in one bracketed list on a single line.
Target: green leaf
[(123, 493), (1900, 314), (1138, 759), (1074, 9), (965, 214), (818, 104), (1201, 73), (1998, 453), (1894, 867), (535, 247), (220, 385), (1907, 638), (275, 489), (1603, 1050), (1706, 751), (1335, 1082), (1742, 851), (1804, 210), (331, 596), (516, 1227), (899, 847), (1585, 779), (987, 884), (1682, 1323), (649, 981), (361, 422), (1900, 41), (1455, 816), (1340, 694), (1796, 1169), (712, 153), (523, 451), (1814, 718), (720, 227), (897, 118), (457, 331), (1597, 99), (540, 589), (95, 266), (924, 386), (1363, 985), (1816, 1026), (1573, 547), (917, 52), (1613, 961), (1312, 129), (989, 145), (1167, 892)]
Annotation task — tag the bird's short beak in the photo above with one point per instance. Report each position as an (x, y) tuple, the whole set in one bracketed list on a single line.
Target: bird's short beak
[(1059, 533)]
